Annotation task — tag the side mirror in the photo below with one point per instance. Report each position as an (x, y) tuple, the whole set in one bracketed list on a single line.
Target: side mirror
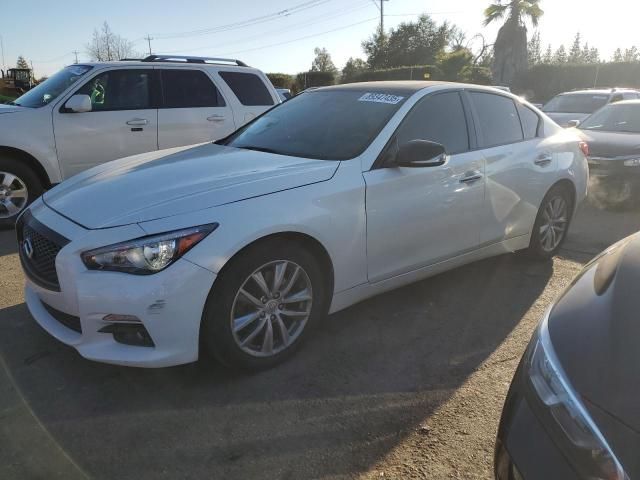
[(420, 153), (79, 103), (573, 123)]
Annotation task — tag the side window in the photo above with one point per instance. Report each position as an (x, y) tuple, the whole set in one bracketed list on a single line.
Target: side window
[(189, 89), (248, 87), (629, 96), (616, 98), (498, 119), (119, 90), (439, 118), (530, 122)]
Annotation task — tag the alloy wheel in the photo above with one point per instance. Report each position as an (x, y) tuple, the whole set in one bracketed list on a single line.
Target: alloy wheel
[(13, 195), (271, 308), (555, 219)]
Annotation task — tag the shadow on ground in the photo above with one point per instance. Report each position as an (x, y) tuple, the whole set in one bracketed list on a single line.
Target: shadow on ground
[(367, 378)]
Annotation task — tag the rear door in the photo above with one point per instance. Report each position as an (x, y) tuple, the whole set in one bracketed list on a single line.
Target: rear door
[(250, 93), (520, 165), (420, 216), (193, 110), (122, 122)]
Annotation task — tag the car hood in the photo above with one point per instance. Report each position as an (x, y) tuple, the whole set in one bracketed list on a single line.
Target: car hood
[(10, 108), (595, 331), (172, 182), (563, 119), (611, 144)]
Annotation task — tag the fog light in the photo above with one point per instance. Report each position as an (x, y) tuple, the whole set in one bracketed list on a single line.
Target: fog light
[(129, 334), (114, 317)]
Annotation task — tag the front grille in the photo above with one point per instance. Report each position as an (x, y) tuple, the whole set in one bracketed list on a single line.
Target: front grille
[(65, 319), (39, 246)]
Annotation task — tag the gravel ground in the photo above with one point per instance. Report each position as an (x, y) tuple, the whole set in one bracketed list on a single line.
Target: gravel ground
[(409, 384)]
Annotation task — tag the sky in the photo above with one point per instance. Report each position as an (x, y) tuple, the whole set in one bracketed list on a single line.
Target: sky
[(274, 35)]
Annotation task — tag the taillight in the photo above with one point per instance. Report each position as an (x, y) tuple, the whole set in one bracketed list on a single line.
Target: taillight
[(584, 146)]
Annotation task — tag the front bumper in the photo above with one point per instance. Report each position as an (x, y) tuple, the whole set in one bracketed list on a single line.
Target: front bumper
[(168, 304), (524, 449)]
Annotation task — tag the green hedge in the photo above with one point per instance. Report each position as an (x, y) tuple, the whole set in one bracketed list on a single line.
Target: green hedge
[(543, 82), (313, 79), (281, 80), (5, 99), (416, 72)]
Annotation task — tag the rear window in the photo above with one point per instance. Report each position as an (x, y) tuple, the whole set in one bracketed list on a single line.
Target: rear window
[(576, 103), (530, 122), (189, 89), (498, 119), (248, 87)]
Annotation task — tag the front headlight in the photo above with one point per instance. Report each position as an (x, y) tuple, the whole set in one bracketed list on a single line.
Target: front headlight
[(586, 446), (146, 255)]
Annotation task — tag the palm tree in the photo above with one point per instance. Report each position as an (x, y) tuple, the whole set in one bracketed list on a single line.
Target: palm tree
[(510, 49)]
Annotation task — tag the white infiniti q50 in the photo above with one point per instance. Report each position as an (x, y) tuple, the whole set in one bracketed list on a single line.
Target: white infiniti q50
[(338, 194)]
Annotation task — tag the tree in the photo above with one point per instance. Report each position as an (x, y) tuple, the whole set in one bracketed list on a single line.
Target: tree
[(561, 55), (631, 54), (107, 46), (547, 58), (575, 54), (410, 43), (352, 68), (322, 62), (22, 62), (617, 56), (534, 50), (510, 48)]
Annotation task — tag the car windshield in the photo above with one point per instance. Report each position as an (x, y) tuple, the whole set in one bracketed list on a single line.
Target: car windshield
[(576, 103), (615, 118), (51, 88), (321, 124)]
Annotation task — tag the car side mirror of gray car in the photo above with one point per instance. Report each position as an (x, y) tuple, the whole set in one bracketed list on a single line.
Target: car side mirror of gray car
[(420, 153)]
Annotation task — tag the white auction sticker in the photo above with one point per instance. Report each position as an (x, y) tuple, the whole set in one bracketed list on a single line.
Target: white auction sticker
[(380, 98)]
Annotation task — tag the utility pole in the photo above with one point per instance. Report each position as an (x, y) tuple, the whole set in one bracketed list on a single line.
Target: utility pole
[(76, 52), (4, 66), (148, 38)]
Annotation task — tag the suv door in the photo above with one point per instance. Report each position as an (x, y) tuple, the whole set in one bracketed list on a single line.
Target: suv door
[(122, 122), (420, 216), (253, 96), (520, 165), (193, 110)]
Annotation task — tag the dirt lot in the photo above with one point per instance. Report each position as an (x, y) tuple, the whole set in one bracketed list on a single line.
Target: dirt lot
[(407, 385)]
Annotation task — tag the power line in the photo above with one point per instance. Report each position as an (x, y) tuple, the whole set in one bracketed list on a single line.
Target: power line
[(261, 35), (302, 38), (245, 23)]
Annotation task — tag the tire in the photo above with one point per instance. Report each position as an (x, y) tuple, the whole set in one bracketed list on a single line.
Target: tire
[(15, 177), (541, 246), (261, 310)]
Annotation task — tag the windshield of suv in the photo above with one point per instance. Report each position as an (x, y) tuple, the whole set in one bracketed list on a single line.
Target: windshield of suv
[(576, 103), (615, 118), (51, 88), (324, 124)]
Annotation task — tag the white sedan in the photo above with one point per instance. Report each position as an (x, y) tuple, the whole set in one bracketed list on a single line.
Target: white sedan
[(339, 194)]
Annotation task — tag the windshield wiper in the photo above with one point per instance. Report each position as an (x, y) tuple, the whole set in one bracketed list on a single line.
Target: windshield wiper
[(260, 149), (13, 103)]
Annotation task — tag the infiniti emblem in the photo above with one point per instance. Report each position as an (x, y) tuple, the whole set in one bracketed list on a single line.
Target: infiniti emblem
[(27, 248)]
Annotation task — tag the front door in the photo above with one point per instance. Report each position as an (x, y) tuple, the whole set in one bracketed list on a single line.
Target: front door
[(420, 216), (122, 122)]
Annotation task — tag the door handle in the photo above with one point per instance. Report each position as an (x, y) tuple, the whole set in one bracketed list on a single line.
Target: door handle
[(138, 121), (543, 160), (471, 178), (216, 118)]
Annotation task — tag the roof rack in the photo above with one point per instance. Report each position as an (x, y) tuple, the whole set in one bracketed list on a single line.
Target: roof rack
[(190, 59)]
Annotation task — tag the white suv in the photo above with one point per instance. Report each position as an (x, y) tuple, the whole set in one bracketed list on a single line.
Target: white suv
[(88, 114)]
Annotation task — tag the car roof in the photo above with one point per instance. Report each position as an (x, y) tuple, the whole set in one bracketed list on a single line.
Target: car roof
[(138, 63), (598, 91), (402, 87)]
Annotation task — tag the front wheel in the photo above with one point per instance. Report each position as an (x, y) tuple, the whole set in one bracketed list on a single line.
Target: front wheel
[(552, 223), (263, 305), (19, 186)]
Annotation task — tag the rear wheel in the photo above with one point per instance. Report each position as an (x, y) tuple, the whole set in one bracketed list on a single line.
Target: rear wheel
[(263, 305), (19, 186), (552, 223)]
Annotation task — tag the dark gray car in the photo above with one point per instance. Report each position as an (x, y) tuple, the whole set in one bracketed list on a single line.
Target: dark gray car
[(572, 411)]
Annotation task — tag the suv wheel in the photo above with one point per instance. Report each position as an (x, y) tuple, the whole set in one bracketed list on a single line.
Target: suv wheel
[(19, 186), (263, 305)]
